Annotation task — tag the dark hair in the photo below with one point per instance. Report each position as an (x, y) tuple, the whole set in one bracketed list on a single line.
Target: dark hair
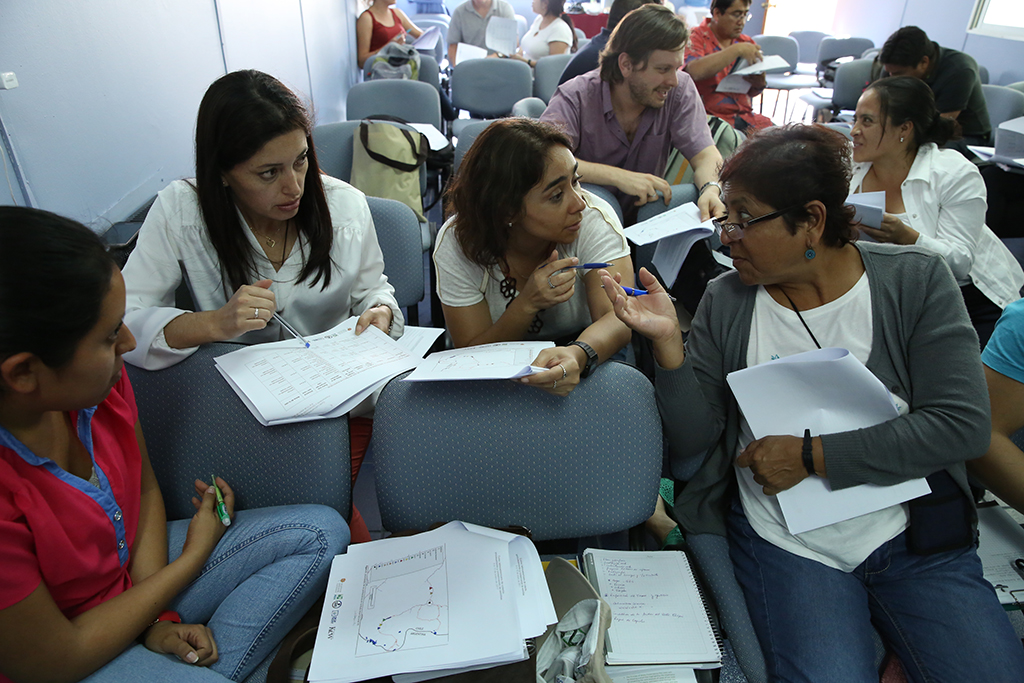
[(555, 8), (641, 32), (723, 5), (907, 47), (621, 8), (506, 160), (240, 113), (792, 165), (905, 98), (54, 274)]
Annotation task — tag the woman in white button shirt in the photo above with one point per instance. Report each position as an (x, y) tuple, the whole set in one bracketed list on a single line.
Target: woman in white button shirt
[(934, 197), (259, 230)]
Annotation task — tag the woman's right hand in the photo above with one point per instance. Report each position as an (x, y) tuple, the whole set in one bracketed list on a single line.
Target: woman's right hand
[(250, 308), (206, 529), (547, 287)]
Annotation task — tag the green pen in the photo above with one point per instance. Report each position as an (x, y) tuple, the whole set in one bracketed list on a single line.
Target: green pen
[(222, 511)]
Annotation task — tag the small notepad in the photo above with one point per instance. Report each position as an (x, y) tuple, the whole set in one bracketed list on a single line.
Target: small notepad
[(658, 612)]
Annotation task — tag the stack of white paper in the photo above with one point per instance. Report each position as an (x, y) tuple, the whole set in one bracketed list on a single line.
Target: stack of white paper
[(735, 81), (675, 231), (282, 382), (827, 391), (502, 360), (870, 206), (502, 35), (457, 598)]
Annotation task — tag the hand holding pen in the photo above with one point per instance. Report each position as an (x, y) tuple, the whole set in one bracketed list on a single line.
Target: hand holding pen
[(214, 502), (652, 313)]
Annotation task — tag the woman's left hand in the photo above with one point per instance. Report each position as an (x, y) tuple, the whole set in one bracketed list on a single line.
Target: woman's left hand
[(379, 316), (776, 462), (893, 230), (191, 643), (563, 372)]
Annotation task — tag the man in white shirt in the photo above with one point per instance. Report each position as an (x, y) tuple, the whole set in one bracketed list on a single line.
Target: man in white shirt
[(469, 23)]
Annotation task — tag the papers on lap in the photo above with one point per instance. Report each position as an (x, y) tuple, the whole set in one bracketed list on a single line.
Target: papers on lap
[(827, 391), (870, 206), (282, 382), (502, 34), (456, 598), (503, 360), (675, 231), (1000, 544)]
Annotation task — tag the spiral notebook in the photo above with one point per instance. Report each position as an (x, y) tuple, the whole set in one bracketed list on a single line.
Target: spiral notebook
[(659, 615)]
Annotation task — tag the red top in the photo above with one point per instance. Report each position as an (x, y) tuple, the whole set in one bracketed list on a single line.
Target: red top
[(62, 530), (381, 34), (726, 106)]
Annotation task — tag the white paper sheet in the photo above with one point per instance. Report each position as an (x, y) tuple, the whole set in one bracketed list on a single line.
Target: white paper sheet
[(651, 674), (465, 52), (767, 63), (435, 138), (283, 381), (1000, 542), (827, 391), (672, 222), (734, 84), (503, 360), (989, 154), (444, 599), (870, 207), (428, 39), (502, 35)]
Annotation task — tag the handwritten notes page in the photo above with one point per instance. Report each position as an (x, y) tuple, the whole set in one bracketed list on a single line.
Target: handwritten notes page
[(658, 613), (502, 360)]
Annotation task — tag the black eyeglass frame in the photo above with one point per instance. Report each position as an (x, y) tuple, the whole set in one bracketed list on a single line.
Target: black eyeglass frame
[(735, 230)]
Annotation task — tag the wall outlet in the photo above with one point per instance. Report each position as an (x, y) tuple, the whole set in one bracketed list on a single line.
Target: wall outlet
[(8, 81)]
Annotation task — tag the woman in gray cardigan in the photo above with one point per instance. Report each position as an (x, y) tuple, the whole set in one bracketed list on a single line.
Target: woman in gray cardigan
[(909, 570)]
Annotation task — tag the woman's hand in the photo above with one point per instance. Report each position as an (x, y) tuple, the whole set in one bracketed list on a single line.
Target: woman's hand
[(547, 287), (776, 461), (652, 315), (563, 372), (893, 230), (191, 643), (250, 308), (380, 316), (206, 529)]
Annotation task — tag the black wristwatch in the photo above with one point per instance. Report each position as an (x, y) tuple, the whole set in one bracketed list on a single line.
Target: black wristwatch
[(591, 357)]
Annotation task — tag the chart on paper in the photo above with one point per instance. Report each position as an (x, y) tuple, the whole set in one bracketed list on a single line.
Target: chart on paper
[(404, 604)]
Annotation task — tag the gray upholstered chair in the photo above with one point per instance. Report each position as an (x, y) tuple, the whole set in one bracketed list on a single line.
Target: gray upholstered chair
[(195, 426), (784, 79), (501, 454), (546, 74), (414, 101), (531, 107), (488, 88), (398, 233), (831, 49), (808, 42), (1003, 104), (466, 139)]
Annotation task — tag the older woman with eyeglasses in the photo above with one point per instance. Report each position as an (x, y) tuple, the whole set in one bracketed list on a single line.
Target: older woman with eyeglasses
[(800, 283)]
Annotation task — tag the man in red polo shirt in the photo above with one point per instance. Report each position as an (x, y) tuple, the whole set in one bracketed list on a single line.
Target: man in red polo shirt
[(715, 46)]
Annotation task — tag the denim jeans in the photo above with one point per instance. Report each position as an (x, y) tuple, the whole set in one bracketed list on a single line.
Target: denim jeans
[(265, 573), (936, 612)]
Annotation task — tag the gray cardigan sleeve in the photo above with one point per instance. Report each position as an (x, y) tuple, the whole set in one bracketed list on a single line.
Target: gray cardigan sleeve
[(926, 350)]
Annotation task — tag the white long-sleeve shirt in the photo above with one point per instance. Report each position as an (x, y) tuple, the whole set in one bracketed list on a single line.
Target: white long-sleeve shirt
[(945, 200), (174, 233)]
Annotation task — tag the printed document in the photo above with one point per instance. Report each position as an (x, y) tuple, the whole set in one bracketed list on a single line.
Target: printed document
[(502, 35), (465, 52), (675, 231), (870, 207), (827, 391), (458, 597), (1000, 544), (428, 39), (282, 382), (502, 360)]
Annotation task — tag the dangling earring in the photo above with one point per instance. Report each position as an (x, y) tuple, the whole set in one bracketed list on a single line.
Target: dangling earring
[(809, 254)]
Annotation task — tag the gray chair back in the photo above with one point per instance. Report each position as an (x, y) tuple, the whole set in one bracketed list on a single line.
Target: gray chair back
[(808, 42), (851, 79), (783, 46), (983, 74), (414, 101), (195, 426), (501, 454), (489, 87), (521, 25), (831, 49), (466, 138), (398, 233), (430, 72), (1003, 103), (530, 107), (546, 74), (441, 18), (334, 144), (441, 46), (1018, 86)]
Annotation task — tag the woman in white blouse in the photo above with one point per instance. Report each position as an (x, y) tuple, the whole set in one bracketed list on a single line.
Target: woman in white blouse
[(934, 197), (552, 32), (257, 231)]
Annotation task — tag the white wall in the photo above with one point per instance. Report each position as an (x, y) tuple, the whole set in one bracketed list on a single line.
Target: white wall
[(105, 113)]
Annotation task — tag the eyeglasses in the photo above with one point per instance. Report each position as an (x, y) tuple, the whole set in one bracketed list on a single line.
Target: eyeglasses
[(734, 231), (741, 16)]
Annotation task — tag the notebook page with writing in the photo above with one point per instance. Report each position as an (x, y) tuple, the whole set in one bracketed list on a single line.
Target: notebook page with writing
[(658, 612)]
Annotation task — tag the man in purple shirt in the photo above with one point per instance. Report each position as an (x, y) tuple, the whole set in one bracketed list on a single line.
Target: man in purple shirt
[(625, 117)]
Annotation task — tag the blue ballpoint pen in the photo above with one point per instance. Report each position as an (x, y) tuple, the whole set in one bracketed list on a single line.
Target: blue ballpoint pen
[(291, 329), (641, 292), (584, 266)]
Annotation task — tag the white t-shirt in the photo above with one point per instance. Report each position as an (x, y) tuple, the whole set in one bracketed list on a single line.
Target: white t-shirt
[(460, 282), (535, 42), (776, 332)]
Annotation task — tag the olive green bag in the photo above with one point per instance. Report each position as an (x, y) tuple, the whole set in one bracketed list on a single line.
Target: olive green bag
[(386, 162)]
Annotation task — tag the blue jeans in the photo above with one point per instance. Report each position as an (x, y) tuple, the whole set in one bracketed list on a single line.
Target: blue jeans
[(265, 573), (936, 612)]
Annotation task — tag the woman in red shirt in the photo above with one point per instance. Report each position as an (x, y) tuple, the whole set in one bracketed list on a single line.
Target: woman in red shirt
[(84, 541), (379, 25)]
